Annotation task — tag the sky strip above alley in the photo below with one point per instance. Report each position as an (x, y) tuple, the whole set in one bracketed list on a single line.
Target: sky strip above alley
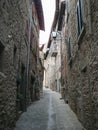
[(48, 9)]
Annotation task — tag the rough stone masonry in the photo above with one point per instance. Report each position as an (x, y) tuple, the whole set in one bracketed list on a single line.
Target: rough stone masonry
[(83, 72), (13, 51)]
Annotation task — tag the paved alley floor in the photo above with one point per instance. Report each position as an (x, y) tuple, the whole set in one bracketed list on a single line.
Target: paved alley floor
[(49, 113)]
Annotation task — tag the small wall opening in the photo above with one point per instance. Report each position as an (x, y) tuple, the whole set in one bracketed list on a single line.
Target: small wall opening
[(14, 55)]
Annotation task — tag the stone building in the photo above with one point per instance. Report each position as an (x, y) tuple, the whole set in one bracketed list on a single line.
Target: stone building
[(53, 56), (41, 67), (49, 65), (79, 57), (56, 49), (81, 39), (61, 31), (20, 22), (35, 63)]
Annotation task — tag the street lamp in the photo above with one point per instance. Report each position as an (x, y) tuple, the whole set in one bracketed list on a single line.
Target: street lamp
[(54, 34)]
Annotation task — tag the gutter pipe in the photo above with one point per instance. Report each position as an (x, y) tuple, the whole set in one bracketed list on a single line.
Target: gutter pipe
[(89, 16), (28, 56)]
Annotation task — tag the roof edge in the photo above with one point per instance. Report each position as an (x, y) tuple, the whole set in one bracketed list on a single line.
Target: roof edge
[(38, 5)]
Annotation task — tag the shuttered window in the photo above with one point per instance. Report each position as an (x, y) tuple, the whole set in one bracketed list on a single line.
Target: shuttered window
[(79, 17), (69, 48)]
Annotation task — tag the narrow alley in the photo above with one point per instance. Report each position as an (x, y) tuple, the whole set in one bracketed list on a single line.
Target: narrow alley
[(48, 64), (49, 113)]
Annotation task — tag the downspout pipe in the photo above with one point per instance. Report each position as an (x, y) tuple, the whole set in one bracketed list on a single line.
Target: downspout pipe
[(90, 33), (28, 57), (89, 17)]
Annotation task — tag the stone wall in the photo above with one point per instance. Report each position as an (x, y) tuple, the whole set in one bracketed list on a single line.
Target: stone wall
[(13, 16), (83, 66)]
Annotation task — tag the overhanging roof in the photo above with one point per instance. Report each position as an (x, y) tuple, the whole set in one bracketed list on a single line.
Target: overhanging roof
[(53, 25), (56, 15), (61, 14), (38, 6)]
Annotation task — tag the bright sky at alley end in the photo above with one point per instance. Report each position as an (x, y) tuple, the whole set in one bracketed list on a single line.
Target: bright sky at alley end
[(48, 9)]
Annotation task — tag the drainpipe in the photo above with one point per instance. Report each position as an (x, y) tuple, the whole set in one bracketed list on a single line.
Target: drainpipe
[(28, 57), (90, 32), (89, 17)]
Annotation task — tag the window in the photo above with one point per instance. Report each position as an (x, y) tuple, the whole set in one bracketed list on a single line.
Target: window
[(1, 56), (79, 17)]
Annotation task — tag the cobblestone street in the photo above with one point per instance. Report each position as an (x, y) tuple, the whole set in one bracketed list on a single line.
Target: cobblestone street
[(49, 113)]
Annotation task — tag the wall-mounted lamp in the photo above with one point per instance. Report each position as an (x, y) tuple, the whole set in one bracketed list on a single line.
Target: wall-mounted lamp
[(54, 34), (47, 49)]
